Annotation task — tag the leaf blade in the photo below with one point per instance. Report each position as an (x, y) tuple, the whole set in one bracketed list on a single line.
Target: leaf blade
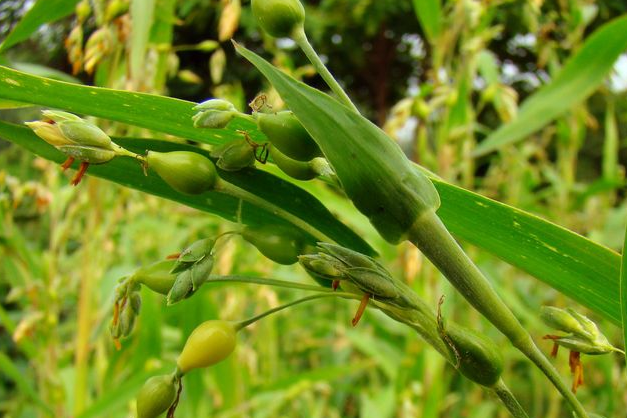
[(44, 11), (429, 13), (581, 76)]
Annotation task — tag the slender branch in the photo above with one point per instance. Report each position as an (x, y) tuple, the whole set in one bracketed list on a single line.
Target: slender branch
[(247, 322), (431, 236), (508, 399), (301, 40), (268, 282)]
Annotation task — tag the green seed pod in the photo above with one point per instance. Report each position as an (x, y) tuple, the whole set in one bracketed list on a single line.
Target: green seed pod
[(210, 343), (583, 345), (127, 320), (349, 257), (194, 253), (236, 156), (279, 18), (201, 270), (279, 243), (591, 330), (186, 172), (91, 155), (135, 302), (561, 320), (157, 277), (84, 133), (322, 266), (181, 289), (287, 134), (371, 281), (300, 170), (156, 396), (480, 360), (214, 114), (60, 116)]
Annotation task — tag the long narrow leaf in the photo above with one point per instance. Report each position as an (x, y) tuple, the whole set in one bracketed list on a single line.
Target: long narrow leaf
[(429, 13), (44, 11), (128, 172), (162, 114), (579, 268), (581, 76)]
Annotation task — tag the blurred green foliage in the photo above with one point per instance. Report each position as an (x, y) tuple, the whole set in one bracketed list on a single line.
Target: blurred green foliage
[(62, 249)]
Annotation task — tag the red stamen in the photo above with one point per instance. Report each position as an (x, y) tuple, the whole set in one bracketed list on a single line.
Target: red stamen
[(362, 307), (67, 163), (335, 284), (555, 346), (81, 172), (576, 367)]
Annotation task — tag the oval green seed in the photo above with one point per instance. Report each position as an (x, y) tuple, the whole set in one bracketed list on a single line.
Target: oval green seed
[(211, 342), (279, 18), (479, 358), (287, 134), (156, 396), (186, 172), (279, 243)]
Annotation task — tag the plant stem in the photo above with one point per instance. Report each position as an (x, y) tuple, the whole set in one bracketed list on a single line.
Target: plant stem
[(247, 322), (301, 40), (268, 282), (431, 236), (501, 390), (232, 190)]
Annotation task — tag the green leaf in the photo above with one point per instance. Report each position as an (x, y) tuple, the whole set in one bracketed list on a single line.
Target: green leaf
[(10, 370), (142, 12), (429, 13), (44, 11), (163, 114), (577, 267), (581, 76), (43, 71), (282, 195), (623, 294)]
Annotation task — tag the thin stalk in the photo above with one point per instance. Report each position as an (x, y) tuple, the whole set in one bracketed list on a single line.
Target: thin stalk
[(247, 322), (232, 190), (268, 282), (431, 236), (301, 40), (501, 390)]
